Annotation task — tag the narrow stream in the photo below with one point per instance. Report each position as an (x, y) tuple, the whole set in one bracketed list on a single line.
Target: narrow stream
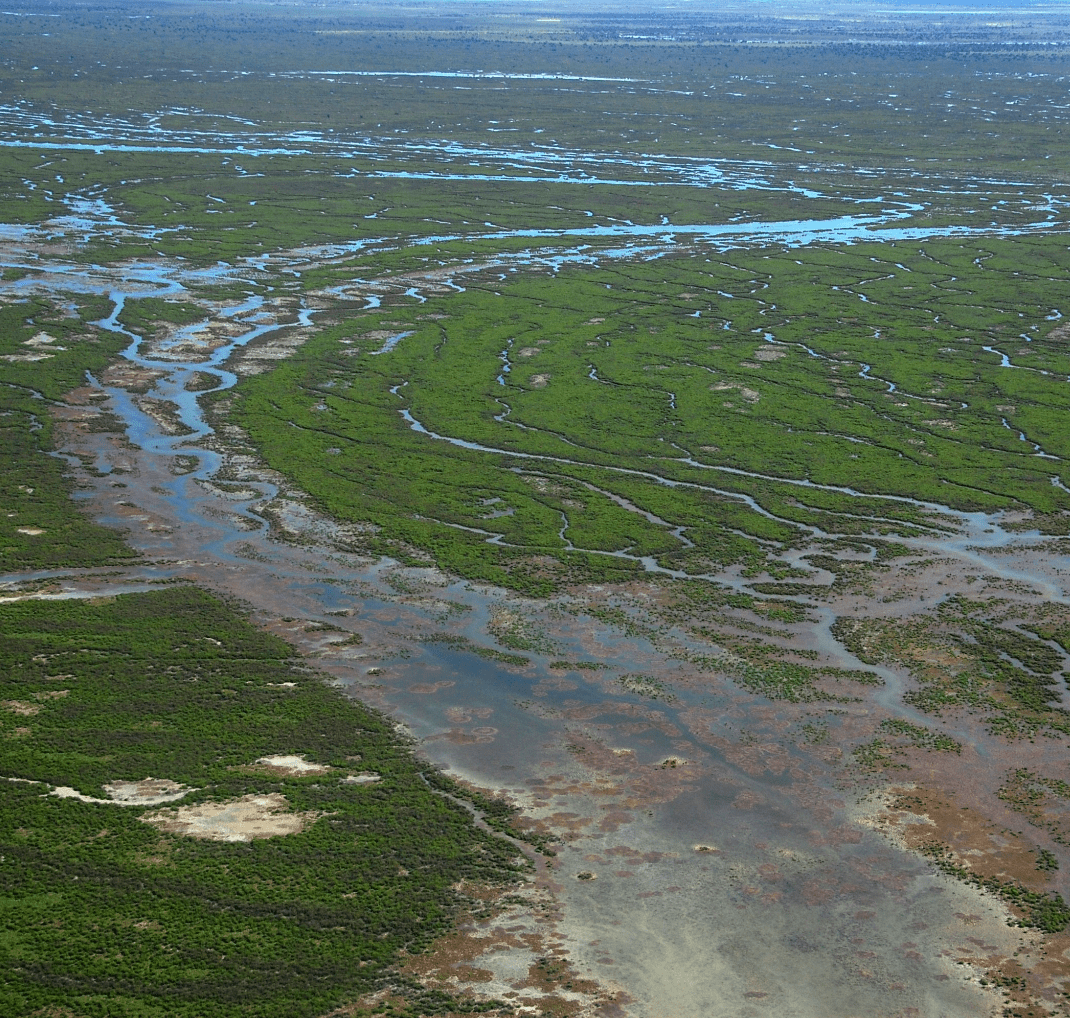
[(516, 727)]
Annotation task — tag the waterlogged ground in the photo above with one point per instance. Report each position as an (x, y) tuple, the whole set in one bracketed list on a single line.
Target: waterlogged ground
[(710, 510), (610, 716)]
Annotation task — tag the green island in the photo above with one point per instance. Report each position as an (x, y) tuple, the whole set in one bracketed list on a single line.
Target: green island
[(619, 381)]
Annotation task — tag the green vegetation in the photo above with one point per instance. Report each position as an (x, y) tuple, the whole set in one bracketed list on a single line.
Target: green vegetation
[(963, 659), (769, 670), (623, 416), (45, 351), (142, 316), (647, 686), (920, 737), (1046, 861), (877, 755), (718, 83), (1041, 799), (1041, 910), (563, 329), (815, 733), (455, 642), (638, 387), (899, 735), (109, 915)]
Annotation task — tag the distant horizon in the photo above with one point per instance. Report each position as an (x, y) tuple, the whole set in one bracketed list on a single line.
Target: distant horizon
[(771, 9), (649, 6)]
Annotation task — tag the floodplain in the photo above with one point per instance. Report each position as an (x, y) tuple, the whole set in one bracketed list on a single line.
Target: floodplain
[(667, 432)]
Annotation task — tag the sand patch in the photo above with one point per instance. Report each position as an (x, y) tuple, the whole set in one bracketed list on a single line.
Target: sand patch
[(43, 339), (976, 842), (191, 342), (146, 792), (21, 708), (290, 765), (915, 818), (881, 811), (363, 778), (165, 414), (131, 377), (378, 335), (750, 395), (261, 356), (542, 484), (41, 349), (29, 531), (251, 816)]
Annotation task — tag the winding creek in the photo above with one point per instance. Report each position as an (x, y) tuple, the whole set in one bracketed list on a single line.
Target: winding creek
[(517, 728)]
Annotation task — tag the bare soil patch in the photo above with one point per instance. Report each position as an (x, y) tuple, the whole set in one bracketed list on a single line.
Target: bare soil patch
[(164, 413), (244, 819), (147, 792), (290, 765), (750, 395), (283, 765)]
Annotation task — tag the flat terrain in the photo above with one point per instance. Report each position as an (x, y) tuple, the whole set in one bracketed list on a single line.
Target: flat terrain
[(661, 419), (107, 906)]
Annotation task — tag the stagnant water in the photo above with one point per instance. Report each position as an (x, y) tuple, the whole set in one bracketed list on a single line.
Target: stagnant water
[(683, 932)]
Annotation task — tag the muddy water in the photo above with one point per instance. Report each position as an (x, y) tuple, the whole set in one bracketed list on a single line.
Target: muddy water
[(789, 907)]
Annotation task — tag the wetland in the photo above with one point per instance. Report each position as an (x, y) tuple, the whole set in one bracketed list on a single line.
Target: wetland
[(581, 539)]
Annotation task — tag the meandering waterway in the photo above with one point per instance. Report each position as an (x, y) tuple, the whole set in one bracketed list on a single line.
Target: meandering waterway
[(632, 781)]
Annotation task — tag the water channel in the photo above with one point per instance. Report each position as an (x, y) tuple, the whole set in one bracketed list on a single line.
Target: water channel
[(579, 750)]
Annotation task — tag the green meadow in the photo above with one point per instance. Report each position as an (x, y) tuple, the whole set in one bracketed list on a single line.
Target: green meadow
[(40, 527), (644, 397)]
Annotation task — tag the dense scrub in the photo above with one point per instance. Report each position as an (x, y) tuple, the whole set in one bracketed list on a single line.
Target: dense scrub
[(45, 352), (110, 916)]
